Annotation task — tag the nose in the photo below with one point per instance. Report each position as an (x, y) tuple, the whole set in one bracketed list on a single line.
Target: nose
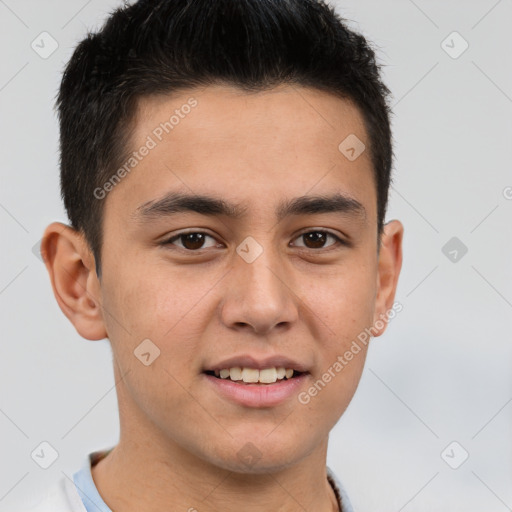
[(259, 295)]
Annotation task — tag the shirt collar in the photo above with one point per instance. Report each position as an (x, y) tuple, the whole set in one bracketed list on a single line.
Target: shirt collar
[(341, 494)]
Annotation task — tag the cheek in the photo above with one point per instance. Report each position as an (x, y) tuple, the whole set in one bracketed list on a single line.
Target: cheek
[(333, 388), (344, 301), (167, 308), (343, 305), (146, 307), (152, 301)]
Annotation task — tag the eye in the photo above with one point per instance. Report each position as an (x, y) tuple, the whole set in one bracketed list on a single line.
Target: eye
[(191, 241), (317, 239)]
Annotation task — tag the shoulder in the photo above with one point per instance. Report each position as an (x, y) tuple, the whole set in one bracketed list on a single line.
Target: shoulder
[(62, 496)]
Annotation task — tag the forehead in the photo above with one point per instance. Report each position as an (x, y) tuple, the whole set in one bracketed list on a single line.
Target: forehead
[(250, 146), (294, 112)]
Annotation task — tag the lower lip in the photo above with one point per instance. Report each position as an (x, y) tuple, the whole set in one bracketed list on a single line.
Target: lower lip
[(258, 395)]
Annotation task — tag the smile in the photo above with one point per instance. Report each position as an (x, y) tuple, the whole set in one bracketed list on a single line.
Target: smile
[(245, 375)]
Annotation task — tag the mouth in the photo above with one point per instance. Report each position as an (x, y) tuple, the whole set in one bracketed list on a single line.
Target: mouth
[(263, 388), (257, 381), (248, 376)]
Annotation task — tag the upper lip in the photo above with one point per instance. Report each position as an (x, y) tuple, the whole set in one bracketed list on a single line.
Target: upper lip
[(259, 363)]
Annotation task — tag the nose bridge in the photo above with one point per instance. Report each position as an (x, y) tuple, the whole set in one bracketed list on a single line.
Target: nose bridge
[(258, 294)]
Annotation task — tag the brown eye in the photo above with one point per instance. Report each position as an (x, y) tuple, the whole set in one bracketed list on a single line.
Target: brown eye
[(192, 241), (317, 239)]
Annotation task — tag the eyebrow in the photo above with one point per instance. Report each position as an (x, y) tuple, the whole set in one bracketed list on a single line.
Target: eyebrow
[(174, 203)]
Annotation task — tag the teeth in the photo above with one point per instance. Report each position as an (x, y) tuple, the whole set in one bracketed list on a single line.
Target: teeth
[(268, 375), (235, 373), (252, 375)]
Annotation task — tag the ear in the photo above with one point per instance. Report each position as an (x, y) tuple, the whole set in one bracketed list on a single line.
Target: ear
[(389, 265), (70, 264)]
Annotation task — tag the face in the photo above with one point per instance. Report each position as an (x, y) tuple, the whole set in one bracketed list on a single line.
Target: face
[(272, 263)]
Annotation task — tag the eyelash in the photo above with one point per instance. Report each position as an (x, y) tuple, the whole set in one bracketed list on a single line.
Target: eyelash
[(338, 240)]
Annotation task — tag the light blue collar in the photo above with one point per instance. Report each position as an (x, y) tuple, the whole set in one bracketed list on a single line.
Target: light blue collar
[(86, 487)]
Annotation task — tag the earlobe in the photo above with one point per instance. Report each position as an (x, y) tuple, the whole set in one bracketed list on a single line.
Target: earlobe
[(76, 287), (389, 266)]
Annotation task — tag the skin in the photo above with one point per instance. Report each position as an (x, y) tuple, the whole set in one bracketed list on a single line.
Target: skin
[(179, 438)]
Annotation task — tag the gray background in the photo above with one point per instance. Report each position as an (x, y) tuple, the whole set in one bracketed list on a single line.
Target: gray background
[(441, 373)]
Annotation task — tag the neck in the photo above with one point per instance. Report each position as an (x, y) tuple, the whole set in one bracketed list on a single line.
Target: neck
[(146, 475)]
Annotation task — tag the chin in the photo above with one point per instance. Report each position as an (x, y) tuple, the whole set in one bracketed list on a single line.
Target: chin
[(253, 454)]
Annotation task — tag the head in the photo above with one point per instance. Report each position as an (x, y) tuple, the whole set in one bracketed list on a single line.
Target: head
[(225, 168), (151, 48)]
